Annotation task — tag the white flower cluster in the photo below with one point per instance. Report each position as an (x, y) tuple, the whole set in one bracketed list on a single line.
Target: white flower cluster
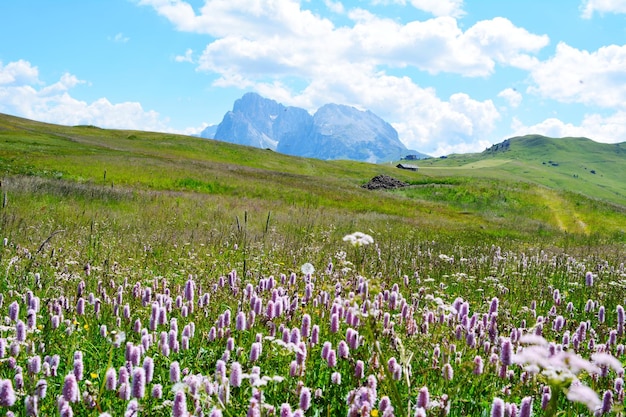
[(358, 239)]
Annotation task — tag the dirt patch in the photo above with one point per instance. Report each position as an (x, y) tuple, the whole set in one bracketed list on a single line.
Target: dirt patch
[(384, 182)]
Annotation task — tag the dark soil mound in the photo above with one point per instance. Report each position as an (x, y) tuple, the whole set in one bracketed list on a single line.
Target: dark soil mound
[(384, 182)]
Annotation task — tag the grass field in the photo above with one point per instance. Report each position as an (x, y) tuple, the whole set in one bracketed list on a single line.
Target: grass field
[(154, 274)]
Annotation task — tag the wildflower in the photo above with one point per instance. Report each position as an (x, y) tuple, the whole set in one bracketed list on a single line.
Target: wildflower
[(138, 389), (34, 365), (583, 394), (14, 311), (307, 269), (110, 379), (70, 389), (331, 360), (497, 408), (423, 398), (305, 328), (235, 374), (447, 372), (358, 239), (7, 394), (607, 402), (601, 314), (359, 369), (335, 378), (506, 350), (41, 388), (148, 367), (179, 408), (305, 398), (285, 410), (419, 412), (174, 372), (255, 351), (589, 279), (20, 330), (334, 323), (157, 391), (526, 407), (343, 350), (240, 322)]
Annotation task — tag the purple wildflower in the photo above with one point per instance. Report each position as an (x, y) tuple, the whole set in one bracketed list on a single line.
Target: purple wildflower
[(447, 372), (20, 330), (14, 311), (7, 394), (506, 351), (359, 369), (240, 322), (157, 391), (235, 374), (138, 389), (110, 379), (285, 410), (174, 372), (70, 389), (343, 350), (497, 408), (335, 378), (305, 398), (334, 323), (148, 367), (589, 279), (179, 408), (526, 407), (255, 351), (331, 360), (423, 398)]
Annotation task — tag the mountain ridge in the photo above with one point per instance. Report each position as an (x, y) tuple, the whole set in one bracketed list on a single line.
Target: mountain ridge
[(335, 131)]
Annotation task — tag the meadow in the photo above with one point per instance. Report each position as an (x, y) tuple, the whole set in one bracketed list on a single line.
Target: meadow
[(148, 274)]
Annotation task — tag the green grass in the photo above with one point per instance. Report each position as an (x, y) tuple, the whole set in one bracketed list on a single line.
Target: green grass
[(560, 164), (112, 216)]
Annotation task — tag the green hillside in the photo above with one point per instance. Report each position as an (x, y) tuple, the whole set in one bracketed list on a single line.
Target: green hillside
[(533, 187), (594, 169)]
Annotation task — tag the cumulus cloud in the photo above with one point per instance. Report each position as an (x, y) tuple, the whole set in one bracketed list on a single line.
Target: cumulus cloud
[(187, 57), (23, 94), (452, 8), (606, 129), (512, 97), (579, 76), (265, 46), (589, 7)]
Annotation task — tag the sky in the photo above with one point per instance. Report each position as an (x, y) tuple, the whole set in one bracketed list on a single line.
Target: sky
[(452, 76)]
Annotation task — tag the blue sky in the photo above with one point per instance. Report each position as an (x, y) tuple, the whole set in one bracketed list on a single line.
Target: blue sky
[(449, 75)]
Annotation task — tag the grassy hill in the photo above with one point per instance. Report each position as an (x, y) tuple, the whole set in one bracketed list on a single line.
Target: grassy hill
[(532, 187), (577, 164)]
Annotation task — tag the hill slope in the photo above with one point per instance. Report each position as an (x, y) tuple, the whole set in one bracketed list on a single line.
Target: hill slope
[(581, 165), (470, 193)]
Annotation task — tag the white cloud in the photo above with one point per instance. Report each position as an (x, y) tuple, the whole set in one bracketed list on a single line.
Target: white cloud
[(452, 8), (119, 38), (512, 96), (23, 94), (18, 73), (262, 46), (335, 6), (588, 7), (606, 129), (578, 76), (188, 57)]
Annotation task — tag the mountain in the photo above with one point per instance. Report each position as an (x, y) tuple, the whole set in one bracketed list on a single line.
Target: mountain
[(334, 132), (208, 132)]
